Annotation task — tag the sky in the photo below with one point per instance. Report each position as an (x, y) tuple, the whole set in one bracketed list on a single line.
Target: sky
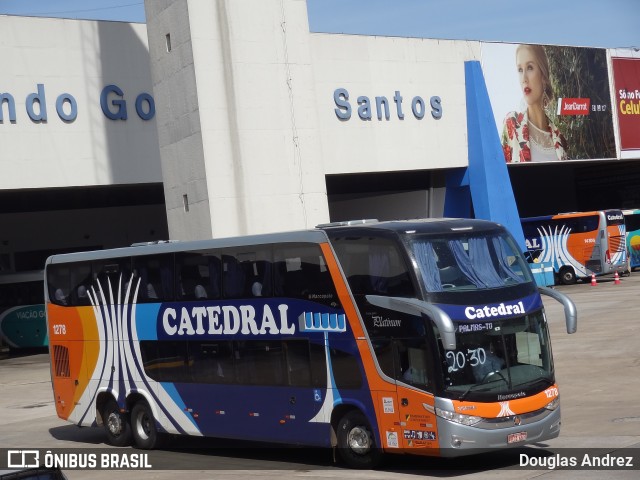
[(586, 23)]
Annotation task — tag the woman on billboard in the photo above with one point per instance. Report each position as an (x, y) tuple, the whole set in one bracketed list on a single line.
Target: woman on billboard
[(530, 136)]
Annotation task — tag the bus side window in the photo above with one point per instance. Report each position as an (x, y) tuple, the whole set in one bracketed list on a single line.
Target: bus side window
[(155, 273), (374, 266), (165, 361), (214, 266), (346, 369), (260, 362), (233, 277), (384, 351), (298, 362), (212, 362), (305, 281), (80, 278), (59, 289), (301, 272), (318, 359), (413, 361), (60, 297), (112, 277), (191, 283), (82, 296), (258, 274), (247, 273)]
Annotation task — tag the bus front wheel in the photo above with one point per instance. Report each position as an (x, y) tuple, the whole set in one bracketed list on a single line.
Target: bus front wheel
[(567, 276), (116, 424), (143, 425), (356, 443)]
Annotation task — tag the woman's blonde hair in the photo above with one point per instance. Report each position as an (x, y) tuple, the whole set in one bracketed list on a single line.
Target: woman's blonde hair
[(540, 57)]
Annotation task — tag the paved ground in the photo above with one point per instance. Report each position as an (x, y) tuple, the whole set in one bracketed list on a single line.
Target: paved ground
[(597, 369)]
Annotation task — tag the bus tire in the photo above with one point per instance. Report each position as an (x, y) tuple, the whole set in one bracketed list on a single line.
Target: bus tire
[(356, 442), (143, 426), (116, 424), (567, 276)]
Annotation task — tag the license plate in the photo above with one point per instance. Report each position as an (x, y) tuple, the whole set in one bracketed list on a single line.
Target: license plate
[(517, 437)]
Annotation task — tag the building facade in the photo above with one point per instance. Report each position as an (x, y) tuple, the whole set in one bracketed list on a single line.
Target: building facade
[(267, 126), (80, 158), (228, 117)]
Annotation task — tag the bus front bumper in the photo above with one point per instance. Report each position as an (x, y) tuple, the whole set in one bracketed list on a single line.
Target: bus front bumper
[(514, 431)]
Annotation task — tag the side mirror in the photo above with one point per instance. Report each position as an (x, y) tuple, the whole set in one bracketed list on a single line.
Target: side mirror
[(413, 306), (570, 310)]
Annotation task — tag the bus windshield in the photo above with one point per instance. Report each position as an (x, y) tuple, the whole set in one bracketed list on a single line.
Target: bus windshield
[(498, 359), (469, 262)]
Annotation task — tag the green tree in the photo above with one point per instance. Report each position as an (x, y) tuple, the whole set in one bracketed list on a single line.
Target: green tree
[(582, 73)]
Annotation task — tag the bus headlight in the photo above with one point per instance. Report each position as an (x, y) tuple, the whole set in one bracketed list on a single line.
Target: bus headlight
[(553, 404), (458, 417)]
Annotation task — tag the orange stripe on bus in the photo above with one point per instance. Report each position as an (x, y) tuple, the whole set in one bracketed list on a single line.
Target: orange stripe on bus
[(376, 384)]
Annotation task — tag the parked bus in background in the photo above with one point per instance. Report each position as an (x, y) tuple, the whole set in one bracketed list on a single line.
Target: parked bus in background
[(632, 223), (22, 314), (578, 244), (421, 337)]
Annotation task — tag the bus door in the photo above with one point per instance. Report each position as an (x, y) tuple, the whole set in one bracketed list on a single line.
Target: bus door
[(415, 403), (406, 412)]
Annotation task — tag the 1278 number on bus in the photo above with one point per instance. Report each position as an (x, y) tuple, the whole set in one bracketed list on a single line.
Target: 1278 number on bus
[(60, 329)]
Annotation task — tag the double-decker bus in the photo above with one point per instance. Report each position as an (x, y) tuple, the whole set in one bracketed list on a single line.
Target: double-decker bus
[(632, 224), (578, 244), (22, 313), (425, 337)]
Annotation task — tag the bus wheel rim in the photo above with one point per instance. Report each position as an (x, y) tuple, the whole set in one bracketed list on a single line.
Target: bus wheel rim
[(143, 426), (114, 423), (359, 440)]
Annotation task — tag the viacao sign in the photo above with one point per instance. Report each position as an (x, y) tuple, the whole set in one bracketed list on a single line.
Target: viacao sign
[(112, 102)]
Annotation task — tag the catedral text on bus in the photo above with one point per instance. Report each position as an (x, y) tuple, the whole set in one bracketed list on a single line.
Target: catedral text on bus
[(417, 337)]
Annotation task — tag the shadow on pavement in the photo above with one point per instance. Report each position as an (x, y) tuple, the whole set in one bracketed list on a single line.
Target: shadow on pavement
[(197, 453)]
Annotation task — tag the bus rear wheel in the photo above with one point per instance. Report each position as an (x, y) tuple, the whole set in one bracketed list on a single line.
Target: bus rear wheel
[(143, 426), (116, 424), (567, 276), (356, 443)]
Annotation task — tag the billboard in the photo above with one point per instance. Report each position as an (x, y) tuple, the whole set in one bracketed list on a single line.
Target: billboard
[(626, 81), (550, 103)]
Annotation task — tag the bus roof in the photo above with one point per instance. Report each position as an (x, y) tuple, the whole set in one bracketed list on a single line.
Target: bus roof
[(426, 225), (317, 235), (568, 215)]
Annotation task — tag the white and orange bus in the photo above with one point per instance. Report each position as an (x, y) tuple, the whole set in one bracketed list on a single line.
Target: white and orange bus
[(578, 244), (416, 337)]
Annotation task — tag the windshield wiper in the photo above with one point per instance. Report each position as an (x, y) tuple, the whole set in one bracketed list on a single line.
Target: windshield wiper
[(482, 382), (544, 380)]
